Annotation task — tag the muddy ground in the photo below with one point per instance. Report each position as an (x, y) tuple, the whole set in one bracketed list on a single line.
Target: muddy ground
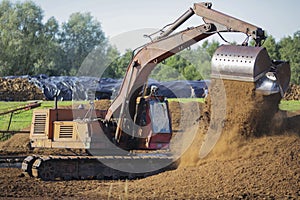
[(257, 155)]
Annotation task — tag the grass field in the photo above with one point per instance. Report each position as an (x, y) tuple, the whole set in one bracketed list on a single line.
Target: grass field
[(22, 119), (290, 105)]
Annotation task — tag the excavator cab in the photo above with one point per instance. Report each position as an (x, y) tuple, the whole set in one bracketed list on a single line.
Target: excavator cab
[(154, 122)]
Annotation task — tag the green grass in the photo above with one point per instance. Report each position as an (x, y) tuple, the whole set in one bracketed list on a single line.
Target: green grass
[(290, 105), (22, 119), (186, 100)]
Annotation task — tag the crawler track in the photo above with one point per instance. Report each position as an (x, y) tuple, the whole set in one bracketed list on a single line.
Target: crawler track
[(11, 161), (96, 167)]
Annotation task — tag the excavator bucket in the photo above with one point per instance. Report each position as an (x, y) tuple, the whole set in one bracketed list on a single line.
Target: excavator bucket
[(251, 64)]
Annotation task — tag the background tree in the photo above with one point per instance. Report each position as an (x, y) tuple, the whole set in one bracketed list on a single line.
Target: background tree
[(80, 35), (31, 45), (112, 68), (272, 47), (170, 69), (21, 39), (164, 72), (289, 49), (117, 64), (51, 59), (210, 47)]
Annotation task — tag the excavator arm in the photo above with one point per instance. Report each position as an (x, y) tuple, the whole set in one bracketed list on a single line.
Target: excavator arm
[(221, 21), (227, 23), (168, 44), (241, 63), (149, 56), (148, 125)]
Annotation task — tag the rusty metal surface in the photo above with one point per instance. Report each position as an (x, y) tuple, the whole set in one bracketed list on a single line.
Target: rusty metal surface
[(230, 23), (177, 23), (13, 132), (148, 57), (167, 45), (29, 106)]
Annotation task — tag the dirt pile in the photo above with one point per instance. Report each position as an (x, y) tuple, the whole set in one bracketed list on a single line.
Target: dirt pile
[(17, 144), (102, 104), (244, 116), (184, 115), (186, 118), (19, 89), (293, 93), (233, 115), (267, 168), (249, 112)]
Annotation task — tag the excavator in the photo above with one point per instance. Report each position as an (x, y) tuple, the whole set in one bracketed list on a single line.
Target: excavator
[(132, 138)]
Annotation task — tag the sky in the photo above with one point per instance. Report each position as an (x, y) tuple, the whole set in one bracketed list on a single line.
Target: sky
[(131, 19)]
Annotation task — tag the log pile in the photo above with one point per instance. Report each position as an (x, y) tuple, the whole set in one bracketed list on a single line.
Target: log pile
[(19, 89), (293, 93)]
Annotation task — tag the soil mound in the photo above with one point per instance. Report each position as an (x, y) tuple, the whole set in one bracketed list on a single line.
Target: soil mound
[(19, 89), (17, 144), (102, 104), (233, 115), (245, 115), (249, 112), (184, 115)]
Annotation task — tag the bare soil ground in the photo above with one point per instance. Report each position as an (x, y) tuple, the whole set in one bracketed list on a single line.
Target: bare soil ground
[(265, 168), (256, 157)]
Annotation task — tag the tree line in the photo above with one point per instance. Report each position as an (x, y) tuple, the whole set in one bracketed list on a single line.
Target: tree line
[(31, 46)]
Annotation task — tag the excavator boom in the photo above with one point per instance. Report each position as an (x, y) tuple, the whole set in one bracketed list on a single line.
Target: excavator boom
[(169, 43), (150, 55), (225, 23), (166, 45), (230, 24)]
